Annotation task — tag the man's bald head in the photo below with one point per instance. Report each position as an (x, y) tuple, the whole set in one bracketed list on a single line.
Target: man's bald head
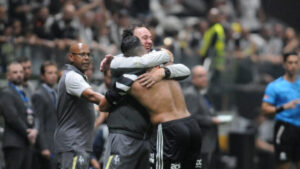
[(214, 15), (77, 47), (198, 68), (199, 77), (79, 56)]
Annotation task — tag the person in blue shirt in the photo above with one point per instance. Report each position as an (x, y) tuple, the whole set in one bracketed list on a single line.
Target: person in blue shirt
[(282, 98)]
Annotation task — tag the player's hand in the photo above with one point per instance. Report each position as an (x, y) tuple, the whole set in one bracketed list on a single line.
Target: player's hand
[(105, 63), (215, 120), (170, 54), (291, 104), (46, 153), (148, 79), (104, 106), (95, 164)]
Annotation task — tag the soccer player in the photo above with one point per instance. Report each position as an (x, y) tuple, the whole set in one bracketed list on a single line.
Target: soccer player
[(129, 121), (165, 104)]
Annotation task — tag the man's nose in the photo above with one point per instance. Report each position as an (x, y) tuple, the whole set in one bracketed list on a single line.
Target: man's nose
[(149, 41)]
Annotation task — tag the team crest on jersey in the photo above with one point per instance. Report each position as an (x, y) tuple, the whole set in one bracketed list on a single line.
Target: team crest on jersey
[(80, 160), (117, 159), (176, 166), (151, 158)]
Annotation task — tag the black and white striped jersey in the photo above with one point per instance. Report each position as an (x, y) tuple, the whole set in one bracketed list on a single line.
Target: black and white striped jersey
[(125, 70)]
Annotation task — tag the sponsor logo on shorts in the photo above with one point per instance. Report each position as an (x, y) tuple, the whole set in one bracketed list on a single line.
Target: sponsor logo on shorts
[(176, 166), (80, 160), (151, 158), (282, 156), (198, 163), (117, 159)]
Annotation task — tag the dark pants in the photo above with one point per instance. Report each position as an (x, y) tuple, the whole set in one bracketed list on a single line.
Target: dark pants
[(125, 152), (209, 161), (17, 158), (46, 163)]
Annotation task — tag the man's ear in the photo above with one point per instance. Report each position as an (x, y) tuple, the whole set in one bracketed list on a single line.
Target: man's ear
[(70, 57), (7, 75), (42, 77)]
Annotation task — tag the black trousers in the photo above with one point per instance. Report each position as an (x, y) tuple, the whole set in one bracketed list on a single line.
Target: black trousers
[(17, 158), (47, 163)]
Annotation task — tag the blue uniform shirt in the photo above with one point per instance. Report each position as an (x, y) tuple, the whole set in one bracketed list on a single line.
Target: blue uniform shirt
[(280, 92)]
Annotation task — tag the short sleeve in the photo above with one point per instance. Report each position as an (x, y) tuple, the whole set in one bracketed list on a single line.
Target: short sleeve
[(270, 94), (75, 84)]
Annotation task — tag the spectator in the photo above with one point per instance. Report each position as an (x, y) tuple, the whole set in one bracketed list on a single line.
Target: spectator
[(3, 23), (29, 88), (3, 36), (17, 32), (213, 48), (42, 24), (107, 82), (291, 42), (249, 10), (203, 111), (19, 134), (264, 142), (85, 31), (88, 20), (89, 73), (213, 43), (118, 22), (44, 102), (103, 43), (20, 10), (66, 25), (28, 85)]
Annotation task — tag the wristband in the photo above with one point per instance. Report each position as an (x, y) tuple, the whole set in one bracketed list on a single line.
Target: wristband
[(167, 73), (112, 97), (279, 109)]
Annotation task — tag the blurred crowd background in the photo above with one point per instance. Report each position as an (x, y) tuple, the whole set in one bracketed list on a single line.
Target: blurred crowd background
[(256, 32)]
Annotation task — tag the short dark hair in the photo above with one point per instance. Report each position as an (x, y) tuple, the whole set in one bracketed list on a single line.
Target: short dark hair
[(129, 44), (12, 63), (46, 64), (286, 55), (23, 59)]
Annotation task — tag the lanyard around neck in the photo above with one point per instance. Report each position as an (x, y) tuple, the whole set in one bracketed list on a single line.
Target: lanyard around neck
[(21, 93)]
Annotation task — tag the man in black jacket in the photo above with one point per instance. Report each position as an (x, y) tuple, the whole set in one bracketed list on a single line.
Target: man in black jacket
[(44, 101), (19, 134), (202, 110)]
